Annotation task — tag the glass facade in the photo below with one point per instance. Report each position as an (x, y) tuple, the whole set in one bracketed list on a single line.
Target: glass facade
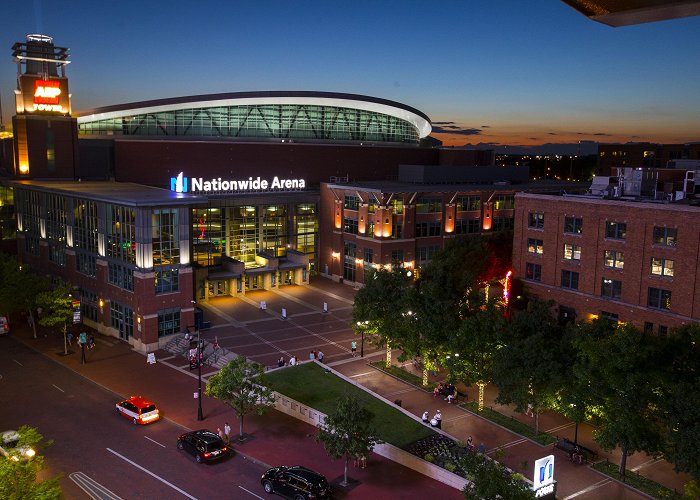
[(273, 121)]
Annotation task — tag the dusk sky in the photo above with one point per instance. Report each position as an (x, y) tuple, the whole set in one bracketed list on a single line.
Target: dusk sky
[(504, 72)]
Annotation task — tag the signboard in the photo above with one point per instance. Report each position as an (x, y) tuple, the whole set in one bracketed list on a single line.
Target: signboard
[(543, 483), (43, 96), (76, 312), (182, 184), (151, 359)]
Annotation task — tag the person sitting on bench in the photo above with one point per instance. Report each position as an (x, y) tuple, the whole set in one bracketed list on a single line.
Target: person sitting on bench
[(577, 455)]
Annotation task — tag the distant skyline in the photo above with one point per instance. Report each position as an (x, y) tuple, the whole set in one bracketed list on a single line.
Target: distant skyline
[(500, 73)]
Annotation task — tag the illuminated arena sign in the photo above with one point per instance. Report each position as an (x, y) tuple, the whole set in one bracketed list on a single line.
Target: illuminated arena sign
[(181, 184), (47, 95)]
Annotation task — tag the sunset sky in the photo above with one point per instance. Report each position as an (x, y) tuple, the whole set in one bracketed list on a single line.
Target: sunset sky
[(502, 72)]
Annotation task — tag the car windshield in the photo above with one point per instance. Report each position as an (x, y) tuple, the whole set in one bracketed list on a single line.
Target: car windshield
[(148, 408)]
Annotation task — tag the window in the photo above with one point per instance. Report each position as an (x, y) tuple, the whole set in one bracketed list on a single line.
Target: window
[(431, 228), (535, 246), (397, 206), (569, 279), (396, 230), (573, 225), (663, 330), (85, 218), (88, 304), (428, 205), (121, 233), (533, 271), (535, 220), (614, 259), (165, 234), (661, 267), (369, 256), (167, 281), (659, 299), (609, 316), (503, 224), (121, 276), (467, 226), (611, 289), (85, 264), (351, 202), (426, 254), (504, 202), (615, 230), (648, 327), (350, 225), (349, 254), (371, 205), (57, 254), (397, 256), (468, 203), (572, 252), (168, 322), (665, 236)]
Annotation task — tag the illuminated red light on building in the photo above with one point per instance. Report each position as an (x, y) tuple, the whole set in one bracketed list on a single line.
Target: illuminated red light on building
[(47, 92)]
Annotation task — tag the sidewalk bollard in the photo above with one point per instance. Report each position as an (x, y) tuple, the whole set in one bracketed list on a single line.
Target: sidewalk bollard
[(325, 307), (284, 313)]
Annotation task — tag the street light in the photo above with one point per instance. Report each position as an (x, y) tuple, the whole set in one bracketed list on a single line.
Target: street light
[(362, 325), (199, 376)]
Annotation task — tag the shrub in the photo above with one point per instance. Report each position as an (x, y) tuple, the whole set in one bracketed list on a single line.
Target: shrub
[(450, 467), (429, 458)]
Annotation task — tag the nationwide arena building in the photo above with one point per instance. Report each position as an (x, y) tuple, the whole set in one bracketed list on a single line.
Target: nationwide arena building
[(184, 199)]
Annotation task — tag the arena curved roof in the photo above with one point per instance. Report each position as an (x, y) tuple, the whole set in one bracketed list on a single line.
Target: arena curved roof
[(268, 114)]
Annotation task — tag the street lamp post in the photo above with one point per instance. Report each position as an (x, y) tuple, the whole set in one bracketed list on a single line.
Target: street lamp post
[(199, 376)]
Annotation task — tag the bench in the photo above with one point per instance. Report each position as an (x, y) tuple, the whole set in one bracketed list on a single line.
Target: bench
[(568, 446)]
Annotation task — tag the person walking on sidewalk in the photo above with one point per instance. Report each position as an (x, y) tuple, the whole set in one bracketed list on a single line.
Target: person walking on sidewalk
[(227, 432), (353, 348), (319, 356)]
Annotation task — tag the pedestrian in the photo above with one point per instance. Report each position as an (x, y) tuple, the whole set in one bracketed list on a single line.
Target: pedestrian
[(482, 448), (470, 443), (312, 355), (425, 418), (91, 343), (220, 433), (529, 409), (437, 420), (353, 348), (216, 343), (319, 356), (280, 362), (70, 339), (292, 361), (227, 432)]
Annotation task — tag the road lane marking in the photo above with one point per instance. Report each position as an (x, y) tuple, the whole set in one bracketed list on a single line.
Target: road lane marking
[(92, 488), (57, 387), (156, 442), (20, 364), (592, 487), (248, 491), (152, 474)]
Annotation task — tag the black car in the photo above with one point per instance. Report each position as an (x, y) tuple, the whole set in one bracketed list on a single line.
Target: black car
[(296, 482), (204, 445)]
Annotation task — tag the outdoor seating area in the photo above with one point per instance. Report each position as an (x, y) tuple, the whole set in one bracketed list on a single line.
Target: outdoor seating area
[(448, 392), (576, 452)]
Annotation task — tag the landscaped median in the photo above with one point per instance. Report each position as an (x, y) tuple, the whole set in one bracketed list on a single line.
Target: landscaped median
[(310, 391), (637, 481)]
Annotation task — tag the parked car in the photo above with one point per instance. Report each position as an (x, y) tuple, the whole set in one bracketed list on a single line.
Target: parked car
[(296, 482), (204, 445), (4, 325), (9, 449), (138, 409)]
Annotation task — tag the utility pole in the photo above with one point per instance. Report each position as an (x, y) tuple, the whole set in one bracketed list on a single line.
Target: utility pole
[(200, 417)]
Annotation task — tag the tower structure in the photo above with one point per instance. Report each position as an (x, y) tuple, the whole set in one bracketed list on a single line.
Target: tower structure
[(45, 135)]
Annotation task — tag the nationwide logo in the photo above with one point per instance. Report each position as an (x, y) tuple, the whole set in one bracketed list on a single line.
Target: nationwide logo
[(181, 184)]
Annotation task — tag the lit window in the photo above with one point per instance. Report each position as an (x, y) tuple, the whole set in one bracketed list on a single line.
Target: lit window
[(661, 267)]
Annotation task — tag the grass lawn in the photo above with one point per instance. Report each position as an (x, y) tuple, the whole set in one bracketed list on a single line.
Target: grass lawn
[(311, 385)]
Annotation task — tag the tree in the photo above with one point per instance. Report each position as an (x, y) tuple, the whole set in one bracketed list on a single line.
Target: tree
[(241, 384), (474, 346), (626, 372), (489, 480), (530, 369), (380, 306), (57, 309), (683, 418), (18, 479), (348, 431), (19, 288)]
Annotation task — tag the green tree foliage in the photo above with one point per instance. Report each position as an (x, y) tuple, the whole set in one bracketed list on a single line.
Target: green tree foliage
[(57, 309), (19, 288), (348, 432), (474, 346), (380, 308), (626, 373), (241, 384), (489, 480), (18, 479), (683, 425), (530, 370)]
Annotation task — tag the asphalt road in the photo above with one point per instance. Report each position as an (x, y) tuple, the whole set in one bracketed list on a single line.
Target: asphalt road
[(97, 450)]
